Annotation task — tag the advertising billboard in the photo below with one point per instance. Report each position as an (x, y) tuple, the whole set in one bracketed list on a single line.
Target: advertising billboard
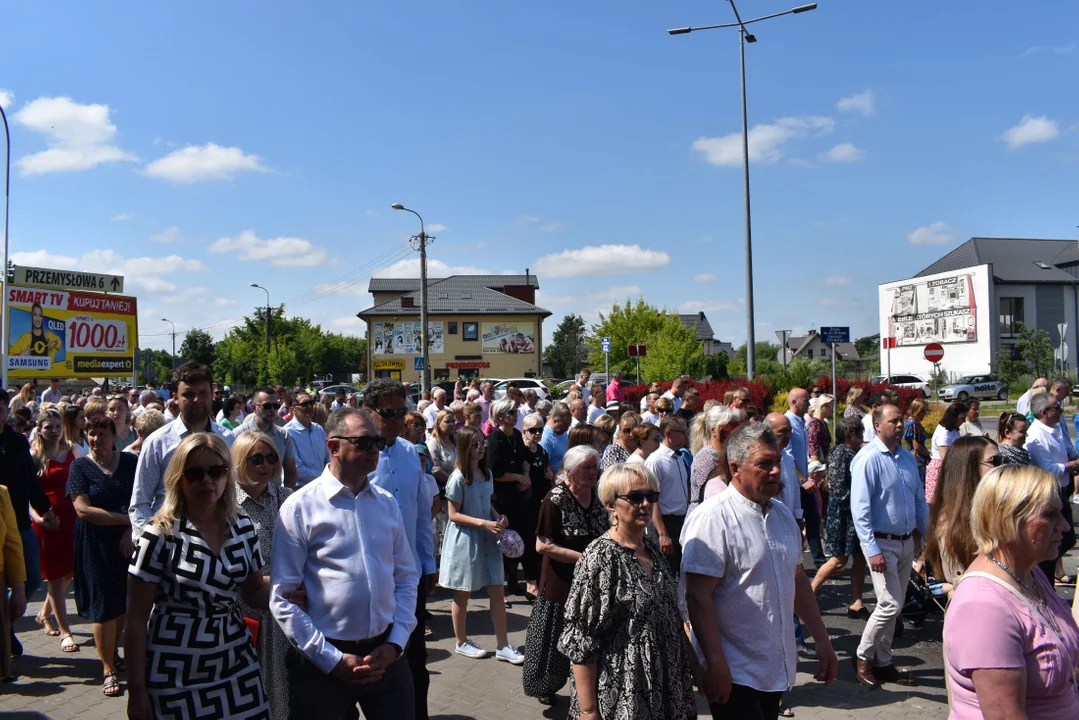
[(509, 337), (403, 338), (943, 310), (52, 333)]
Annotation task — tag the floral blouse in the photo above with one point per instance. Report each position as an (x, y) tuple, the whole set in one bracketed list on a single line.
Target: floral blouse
[(839, 474), (913, 431), (626, 621), (613, 454), (819, 438), (1010, 455)]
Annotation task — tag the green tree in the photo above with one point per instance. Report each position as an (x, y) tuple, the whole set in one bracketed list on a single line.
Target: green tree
[(567, 353), (672, 348), (868, 345), (716, 366), (765, 360), (1035, 357), (198, 346)]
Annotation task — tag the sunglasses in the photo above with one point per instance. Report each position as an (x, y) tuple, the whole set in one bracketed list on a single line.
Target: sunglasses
[(637, 498), (270, 406), (364, 443), (214, 472), (258, 459), (534, 431), (387, 414), (995, 461), (662, 412), (305, 404)]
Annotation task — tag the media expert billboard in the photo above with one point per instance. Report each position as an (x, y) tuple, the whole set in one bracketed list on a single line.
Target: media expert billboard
[(52, 333), (512, 337)]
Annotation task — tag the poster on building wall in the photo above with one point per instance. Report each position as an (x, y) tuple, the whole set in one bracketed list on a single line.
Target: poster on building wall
[(512, 337), (943, 310), (403, 338)]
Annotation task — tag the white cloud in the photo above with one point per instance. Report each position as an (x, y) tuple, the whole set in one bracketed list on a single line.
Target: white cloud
[(7, 98), (44, 259), (765, 141), (600, 260), (704, 239), (1030, 129), (79, 136), (168, 235), (223, 302), (204, 162), (864, 103), (704, 278), (837, 280), (554, 226), (843, 153), (410, 268), (121, 217), (350, 289), (937, 233), (437, 227), (1056, 50), (526, 220), (693, 306), (280, 251), (348, 322)]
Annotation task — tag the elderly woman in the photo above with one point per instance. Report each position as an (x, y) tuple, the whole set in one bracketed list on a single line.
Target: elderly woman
[(970, 424), (947, 432), (623, 631), (543, 409), (195, 618), (146, 424), (570, 517), (506, 461), (255, 464), (622, 445), (120, 415), (914, 434), (1011, 646), (542, 477), (1012, 436), (709, 472), (99, 486), (855, 403), (818, 436)]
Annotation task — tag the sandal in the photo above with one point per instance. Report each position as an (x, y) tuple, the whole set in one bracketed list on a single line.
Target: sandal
[(786, 712), (1066, 580), (46, 623), (111, 688), (68, 644)]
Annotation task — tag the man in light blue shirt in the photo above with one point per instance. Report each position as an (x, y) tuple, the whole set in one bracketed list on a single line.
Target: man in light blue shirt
[(400, 473), (555, 438), (308, 440), (798, 450), (890, 515)]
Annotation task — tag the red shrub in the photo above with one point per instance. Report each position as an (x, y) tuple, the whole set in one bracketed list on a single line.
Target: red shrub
[(760, 393), (906, 395)]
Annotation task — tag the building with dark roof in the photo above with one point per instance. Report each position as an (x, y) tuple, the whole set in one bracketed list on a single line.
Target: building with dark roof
[(478, 325), (975, 300), (698, 323), (811, 347)]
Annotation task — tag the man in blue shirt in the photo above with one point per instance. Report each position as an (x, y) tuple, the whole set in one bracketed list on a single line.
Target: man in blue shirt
[(400, 473), (555, 438), (798, 449), (308, 440), (890, 514)]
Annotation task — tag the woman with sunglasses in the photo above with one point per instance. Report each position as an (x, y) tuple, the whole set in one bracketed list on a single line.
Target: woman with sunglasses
[(951, 547), (623, 632), (194, 560), (622, 444), (255, 463), (1012, 436), (570, 518), (541, 475), (99, 486)]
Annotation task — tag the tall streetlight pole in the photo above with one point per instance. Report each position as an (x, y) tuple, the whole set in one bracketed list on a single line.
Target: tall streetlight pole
[(4, 331), (745, 36), (256, 285), (170, 322), (421, 241)]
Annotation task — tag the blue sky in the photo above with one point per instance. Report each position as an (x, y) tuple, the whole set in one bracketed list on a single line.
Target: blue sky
[(200, 147)]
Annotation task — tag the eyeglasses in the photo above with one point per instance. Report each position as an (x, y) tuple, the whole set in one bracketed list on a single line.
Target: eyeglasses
[(258, 459), (388, 414), (995, 461), (304, 404), (636, 499), (196, 473), (364, 443), (662, 412), (270, 406)]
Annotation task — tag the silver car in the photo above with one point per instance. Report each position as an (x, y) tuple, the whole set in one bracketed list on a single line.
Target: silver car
[(976, 386)]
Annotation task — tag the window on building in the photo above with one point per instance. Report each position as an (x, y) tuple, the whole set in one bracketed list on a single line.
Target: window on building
[(452, 328), (470, 331), (1011, 316), (810, 353), (824, 352)]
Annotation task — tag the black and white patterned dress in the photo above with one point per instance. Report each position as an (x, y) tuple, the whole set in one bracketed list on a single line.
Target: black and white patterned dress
[(626, 621), (200, 662)]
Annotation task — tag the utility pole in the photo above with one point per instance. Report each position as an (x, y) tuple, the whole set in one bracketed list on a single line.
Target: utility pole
[(419, 242), (5, 331), (170, 322), (256, 285)]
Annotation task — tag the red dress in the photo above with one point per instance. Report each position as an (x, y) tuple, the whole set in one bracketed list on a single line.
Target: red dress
[(57, 546)]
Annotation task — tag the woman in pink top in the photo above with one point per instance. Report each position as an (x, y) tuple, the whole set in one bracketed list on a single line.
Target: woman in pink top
[(1010, 643)]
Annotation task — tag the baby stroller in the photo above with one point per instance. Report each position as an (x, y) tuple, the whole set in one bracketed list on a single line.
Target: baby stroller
[(924, 595)]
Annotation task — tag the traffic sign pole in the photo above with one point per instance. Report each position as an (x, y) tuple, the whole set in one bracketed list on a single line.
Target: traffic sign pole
[(835, 394)]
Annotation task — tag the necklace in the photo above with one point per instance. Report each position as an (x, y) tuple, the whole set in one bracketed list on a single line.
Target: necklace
[(1029, 588)]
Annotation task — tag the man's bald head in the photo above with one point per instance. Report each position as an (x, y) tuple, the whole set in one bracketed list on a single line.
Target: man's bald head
[(1041, 383), (781, 426), (798, 399)]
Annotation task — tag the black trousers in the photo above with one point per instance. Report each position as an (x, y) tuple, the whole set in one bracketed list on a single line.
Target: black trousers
[(1067, 542), (416, 654), (745, 703), (314, 694), (812, 521), (673, 524)]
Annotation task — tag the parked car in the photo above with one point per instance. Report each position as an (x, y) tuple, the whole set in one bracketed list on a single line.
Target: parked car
[(524, 384), (333, 390), (905, 381), (976, 386)]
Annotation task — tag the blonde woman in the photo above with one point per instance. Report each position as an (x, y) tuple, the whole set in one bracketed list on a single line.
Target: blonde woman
[(195, 558), (442, 446), (710, 460), (855, 403), (26, 395), (74, 419), (147, 422), (255, 463)]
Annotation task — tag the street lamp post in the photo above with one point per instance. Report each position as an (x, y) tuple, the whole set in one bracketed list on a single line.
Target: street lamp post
[(421, 240), (170, 322), (4, 330), (256, 285), (745, 36)]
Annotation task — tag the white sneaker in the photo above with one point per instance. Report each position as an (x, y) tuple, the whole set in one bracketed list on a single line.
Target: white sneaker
[(470, 650), (511, 655)]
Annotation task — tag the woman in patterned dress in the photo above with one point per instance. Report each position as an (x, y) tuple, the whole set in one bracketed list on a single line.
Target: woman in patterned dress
[(623, 631), (192, 656), (914, 435), (571, 517), (1012, 436), (622, 444)]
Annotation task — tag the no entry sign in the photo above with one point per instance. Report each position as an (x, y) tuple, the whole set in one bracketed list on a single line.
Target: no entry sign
[(934, 352)]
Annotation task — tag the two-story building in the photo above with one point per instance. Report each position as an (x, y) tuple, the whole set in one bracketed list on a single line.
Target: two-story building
[(698, 323), (811, 347), (478, 326)]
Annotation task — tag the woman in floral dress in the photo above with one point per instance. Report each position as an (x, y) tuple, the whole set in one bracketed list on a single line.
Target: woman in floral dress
[(914, 434)]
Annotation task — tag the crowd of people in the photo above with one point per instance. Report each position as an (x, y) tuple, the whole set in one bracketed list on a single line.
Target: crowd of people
[(272, 555)]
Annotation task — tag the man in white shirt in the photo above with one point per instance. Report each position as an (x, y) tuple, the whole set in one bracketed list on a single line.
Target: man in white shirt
[(340, 400), (578, 410), (53, 394), (438, 404), (649, 415), (653, 387), (193, 395), (1023, 406), (744, 584), (869, 431), (669, 514), (678, 389), (264, 420), (308, 440), (582, 382), (527, 407), (1050, 450), (345, 541)]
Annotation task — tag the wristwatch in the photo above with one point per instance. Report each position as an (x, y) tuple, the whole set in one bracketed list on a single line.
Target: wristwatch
[(400, 650)]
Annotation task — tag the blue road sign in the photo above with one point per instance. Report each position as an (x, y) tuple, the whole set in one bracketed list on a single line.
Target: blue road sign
[(605, 344), (834, 335), (418, 362)]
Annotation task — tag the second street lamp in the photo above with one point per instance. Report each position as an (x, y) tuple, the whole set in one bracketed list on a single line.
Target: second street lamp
[(745, 36), (170, 322), (256, 285), (422, 239)]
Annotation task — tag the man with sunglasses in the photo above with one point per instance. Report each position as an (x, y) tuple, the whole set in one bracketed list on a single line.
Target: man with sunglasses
[(308, 440), (192, 381), (264, 419), (1050, 450), (400, 473), (345, 541)]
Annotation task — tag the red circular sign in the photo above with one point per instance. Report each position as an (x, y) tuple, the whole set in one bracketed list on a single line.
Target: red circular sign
[(934, 352)]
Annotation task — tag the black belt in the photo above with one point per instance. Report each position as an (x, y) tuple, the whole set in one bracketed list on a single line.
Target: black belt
[(361, 647), (889, 536)]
